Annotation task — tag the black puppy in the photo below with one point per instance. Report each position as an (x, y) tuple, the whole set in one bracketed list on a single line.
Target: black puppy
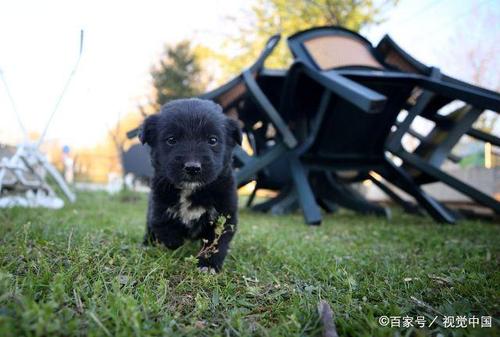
[(193, 192)]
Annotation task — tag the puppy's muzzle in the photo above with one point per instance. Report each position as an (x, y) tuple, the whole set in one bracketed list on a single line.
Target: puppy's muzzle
[(192, 168)]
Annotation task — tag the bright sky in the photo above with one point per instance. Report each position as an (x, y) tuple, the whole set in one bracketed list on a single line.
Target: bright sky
[(39, 43)]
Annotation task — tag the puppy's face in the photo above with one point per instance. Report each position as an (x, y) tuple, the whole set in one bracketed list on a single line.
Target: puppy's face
[(191, 142)]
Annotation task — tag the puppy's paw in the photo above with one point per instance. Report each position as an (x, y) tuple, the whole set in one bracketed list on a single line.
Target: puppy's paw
[(208, 270), (149, 240), (207, 265)]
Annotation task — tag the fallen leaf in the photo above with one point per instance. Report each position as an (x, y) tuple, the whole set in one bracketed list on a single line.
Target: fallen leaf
[(441, 279), (199, 324)]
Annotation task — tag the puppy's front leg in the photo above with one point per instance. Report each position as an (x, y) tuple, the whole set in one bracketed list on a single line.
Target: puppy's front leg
[(149, 237), (169, 235), (215, 247)]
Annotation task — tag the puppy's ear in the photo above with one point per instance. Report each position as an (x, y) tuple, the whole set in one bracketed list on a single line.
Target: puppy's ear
[(234, 130), (147, 132)]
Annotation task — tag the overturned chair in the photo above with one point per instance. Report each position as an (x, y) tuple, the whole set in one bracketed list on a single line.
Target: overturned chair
[(436, 147), (343, 77)]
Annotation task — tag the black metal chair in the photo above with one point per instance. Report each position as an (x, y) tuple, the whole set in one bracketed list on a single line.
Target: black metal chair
[(435, 147), (337, 193), (136, 161), (253, 96), (342, 137), (347, 136)]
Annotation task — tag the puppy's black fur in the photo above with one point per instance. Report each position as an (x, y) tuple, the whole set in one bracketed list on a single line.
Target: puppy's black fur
[(191, 143)]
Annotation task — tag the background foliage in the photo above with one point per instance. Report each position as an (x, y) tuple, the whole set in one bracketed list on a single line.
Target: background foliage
[(268, 17)]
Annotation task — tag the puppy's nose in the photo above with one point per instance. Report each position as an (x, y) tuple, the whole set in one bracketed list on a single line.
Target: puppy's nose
[(192, 167)]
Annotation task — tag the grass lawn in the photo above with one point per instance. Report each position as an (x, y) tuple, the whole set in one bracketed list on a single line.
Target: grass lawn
[(81, 271)]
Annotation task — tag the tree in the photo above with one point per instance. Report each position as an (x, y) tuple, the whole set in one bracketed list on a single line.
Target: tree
[(177, 75), (269, 17), (117, 134)]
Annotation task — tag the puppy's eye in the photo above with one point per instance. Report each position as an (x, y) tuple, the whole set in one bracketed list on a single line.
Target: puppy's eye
[(212, 140), (171, 140)]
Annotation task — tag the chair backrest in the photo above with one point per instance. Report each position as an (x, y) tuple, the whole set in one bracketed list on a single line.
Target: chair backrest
[(347, 136), (394, 55), (398, 58), (333, 47)]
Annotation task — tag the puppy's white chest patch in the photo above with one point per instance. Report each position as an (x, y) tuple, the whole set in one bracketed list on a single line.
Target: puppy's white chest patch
[(184, 210)]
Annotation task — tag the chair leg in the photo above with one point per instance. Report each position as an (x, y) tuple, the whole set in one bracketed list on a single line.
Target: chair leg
[(404, 181), (257, 163), (452, 182), (251, 197), (305, 194), (347, 197), (268, 204), (328, 205), (286, 205), (407, 206)]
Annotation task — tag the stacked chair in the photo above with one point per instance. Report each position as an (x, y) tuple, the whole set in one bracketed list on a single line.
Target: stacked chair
[(436, 147), (330, 120)]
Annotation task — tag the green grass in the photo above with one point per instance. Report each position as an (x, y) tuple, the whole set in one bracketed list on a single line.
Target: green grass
[(81, 271)]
